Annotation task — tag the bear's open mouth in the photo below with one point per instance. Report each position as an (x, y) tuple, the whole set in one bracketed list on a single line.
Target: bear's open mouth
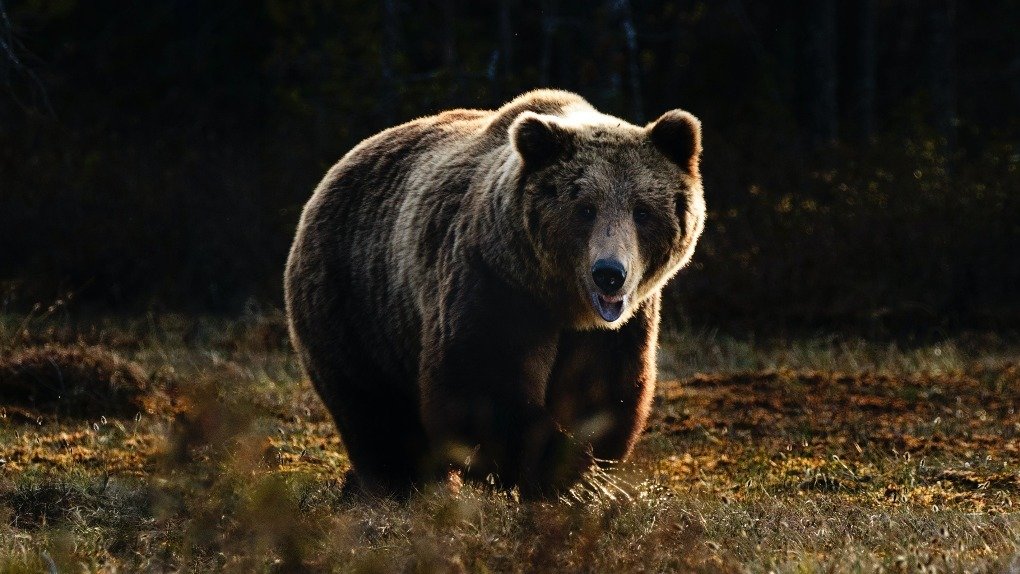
[(609, 308)]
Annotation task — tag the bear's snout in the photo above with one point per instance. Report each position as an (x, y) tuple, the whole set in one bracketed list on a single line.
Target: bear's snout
[(609, 275)]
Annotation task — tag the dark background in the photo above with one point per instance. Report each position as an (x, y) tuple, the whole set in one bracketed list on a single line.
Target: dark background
[(861, 163)]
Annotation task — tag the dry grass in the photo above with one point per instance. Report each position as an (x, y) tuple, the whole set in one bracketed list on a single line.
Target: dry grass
[(72, 381), (820, 453)]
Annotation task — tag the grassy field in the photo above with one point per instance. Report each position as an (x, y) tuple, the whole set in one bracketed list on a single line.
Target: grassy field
[(182, 444)]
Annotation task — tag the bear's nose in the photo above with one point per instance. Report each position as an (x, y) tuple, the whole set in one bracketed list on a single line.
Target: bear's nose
[(609, 275)]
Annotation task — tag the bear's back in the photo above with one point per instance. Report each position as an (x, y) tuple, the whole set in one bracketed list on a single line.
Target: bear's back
[(452, 133), (379, 219), (550, 102)]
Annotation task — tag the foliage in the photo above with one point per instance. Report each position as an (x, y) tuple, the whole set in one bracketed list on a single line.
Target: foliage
[(157, 155)]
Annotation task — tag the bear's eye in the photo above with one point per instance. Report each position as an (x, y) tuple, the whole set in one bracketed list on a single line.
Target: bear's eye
[(587, 212), (641, 215)]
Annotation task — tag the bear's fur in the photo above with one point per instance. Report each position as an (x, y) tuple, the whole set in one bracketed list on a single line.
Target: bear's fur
[(440, 290)]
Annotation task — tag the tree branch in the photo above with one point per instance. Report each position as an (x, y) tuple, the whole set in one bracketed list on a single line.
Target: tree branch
[(10, 62)]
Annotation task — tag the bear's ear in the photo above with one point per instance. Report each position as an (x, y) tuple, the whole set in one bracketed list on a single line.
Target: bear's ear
[(539, 140), (677, 134)]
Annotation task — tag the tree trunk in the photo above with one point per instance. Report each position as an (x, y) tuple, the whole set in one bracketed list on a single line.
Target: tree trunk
[(8, 60), (622, 10), (942, 71), (548, 31), (864, 104), (506, 45), (387, 57), (450, 52), (821, 72)]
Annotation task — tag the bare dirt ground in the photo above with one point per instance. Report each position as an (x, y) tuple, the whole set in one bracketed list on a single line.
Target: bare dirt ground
[(178, 444)]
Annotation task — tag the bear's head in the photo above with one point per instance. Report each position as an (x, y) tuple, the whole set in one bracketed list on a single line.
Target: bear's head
[(612, 210)]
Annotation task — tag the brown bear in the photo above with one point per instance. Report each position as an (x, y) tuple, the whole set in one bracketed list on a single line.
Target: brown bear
[(479, 290)]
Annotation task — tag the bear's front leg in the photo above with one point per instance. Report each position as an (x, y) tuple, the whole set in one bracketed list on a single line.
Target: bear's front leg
[(485, 361), (603, 381)]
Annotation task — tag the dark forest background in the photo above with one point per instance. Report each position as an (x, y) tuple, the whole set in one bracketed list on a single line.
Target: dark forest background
[(861, 162)]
